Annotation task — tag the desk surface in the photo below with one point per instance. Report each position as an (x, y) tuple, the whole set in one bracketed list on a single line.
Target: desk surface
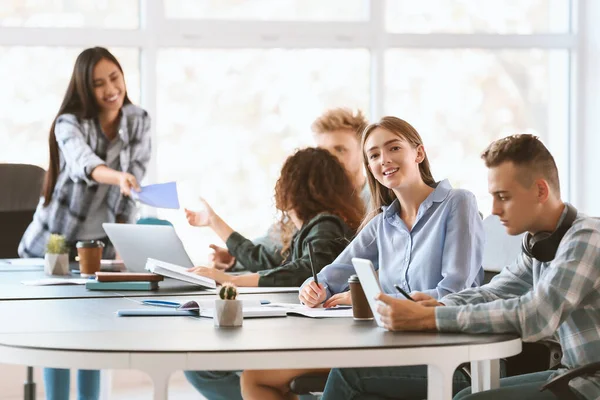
[(11, 288), (92, 325), (87, 333)]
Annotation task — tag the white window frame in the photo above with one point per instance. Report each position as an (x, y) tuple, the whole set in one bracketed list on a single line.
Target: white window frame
[(156, 32)]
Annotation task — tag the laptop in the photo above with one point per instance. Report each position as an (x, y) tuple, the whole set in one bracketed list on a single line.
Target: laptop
[(136, 243)]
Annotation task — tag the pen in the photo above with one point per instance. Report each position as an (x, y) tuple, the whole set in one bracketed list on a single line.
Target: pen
[(161, 303), (398, 288), (339, 308), (311, 257)]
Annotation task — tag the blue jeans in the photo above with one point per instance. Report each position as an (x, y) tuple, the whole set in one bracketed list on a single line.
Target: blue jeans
[(406, 383), (216, 385), (518, 387), (57, 383)]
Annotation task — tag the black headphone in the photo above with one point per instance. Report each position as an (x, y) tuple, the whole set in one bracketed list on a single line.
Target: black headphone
[(543, 245)]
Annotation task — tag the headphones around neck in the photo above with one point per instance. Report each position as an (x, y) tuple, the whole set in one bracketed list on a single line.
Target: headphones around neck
[(543, 245)]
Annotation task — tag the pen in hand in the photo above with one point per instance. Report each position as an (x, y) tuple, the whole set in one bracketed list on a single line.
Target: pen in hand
[(311, 258), (403, 293)]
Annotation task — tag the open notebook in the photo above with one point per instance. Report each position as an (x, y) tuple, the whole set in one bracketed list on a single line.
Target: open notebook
[(177, 272), (253, 309), (250, 308)]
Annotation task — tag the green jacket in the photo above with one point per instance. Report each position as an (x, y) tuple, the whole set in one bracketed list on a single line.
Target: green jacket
[(328, 234)]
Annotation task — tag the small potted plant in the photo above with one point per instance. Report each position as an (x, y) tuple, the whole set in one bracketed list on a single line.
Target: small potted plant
[(56, 259), (228, 310)]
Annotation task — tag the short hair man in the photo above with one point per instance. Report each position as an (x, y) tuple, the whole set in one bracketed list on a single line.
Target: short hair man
[(339, 131), (553, 288)]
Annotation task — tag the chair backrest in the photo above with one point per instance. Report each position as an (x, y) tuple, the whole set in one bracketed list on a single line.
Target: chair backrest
[(501, 249), (153, 221), (20, 194)]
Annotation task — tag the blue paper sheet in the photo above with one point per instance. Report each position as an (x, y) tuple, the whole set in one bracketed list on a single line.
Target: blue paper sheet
[(160, 195)]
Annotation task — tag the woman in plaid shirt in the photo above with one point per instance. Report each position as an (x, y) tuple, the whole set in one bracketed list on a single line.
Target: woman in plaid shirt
[(99, 150)]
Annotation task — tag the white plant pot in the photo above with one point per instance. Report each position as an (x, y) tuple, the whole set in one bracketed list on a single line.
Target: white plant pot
[(56, 264), (228, 313)]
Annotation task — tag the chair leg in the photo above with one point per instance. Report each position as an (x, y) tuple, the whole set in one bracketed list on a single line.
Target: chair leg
[(29, 386)]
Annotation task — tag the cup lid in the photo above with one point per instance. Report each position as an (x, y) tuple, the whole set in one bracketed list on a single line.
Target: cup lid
[(89, 244)]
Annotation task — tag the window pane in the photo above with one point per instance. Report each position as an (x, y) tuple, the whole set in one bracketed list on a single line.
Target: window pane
[(123, 14), (35, 82), (229, 118), (461, 100), (299, 10), (471, 16)]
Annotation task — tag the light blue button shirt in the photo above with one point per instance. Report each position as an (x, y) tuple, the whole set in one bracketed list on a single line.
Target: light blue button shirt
[(440, 255)]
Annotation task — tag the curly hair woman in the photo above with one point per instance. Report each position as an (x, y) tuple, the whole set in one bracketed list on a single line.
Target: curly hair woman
[(315, 197)]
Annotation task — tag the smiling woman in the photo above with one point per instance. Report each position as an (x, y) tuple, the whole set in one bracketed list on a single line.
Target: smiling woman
[(99, 147)]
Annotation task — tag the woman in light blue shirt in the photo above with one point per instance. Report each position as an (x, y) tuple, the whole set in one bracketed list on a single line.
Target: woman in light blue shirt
[(420, 235)]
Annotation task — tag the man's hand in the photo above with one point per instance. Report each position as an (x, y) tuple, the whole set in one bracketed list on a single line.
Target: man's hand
[(127, 183), (340, 299), (221, 258), (425, 300), (405, 315), (312, 294)]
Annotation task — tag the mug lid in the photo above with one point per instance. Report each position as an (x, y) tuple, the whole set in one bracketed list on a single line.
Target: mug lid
[(89, 244)]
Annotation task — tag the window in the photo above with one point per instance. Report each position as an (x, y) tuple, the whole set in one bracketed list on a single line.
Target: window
[(34, 83), (303, 10), (474, 16), (122, 14), (461, 100), (232, 86), (229, 118)]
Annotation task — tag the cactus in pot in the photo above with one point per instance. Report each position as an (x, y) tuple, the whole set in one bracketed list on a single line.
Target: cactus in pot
[(56, 259), (228, 310)]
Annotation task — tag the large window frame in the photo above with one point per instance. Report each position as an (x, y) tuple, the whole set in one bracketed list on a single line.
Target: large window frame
[(156, 32)]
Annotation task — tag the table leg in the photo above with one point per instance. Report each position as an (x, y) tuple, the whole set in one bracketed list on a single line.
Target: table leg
[(29, 385), (161, 385), (439, 381), (485, 375), (105, 384)]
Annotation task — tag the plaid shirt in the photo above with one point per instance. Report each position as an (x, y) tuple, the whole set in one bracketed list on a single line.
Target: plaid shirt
[(539, 300), (83, 147)]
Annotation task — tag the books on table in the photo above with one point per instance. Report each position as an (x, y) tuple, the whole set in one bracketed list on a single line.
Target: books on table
[(178, 272), (93, 284)]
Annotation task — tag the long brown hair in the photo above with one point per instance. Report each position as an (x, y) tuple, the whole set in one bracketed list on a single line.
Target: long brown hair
[(313, 181), (381, 195), (79, 100)]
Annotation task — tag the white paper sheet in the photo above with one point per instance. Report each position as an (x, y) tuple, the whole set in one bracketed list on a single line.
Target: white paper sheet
[(26, 262), (55, 281)]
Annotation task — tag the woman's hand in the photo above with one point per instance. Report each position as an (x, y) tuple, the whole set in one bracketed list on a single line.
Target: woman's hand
[(405, 315), (339, 299), (312, 294), (221, 258), (127, 182), (425, 300), (212, 273), (200, 218)]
